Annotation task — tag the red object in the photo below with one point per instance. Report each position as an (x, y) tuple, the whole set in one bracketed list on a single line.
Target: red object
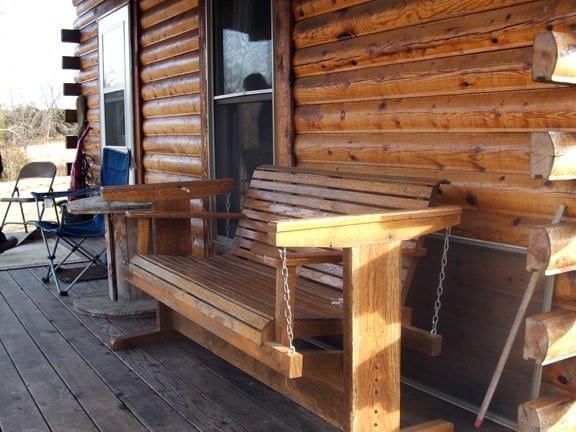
[(77, 174)]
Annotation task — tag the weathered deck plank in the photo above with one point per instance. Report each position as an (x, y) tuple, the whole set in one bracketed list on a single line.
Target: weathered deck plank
[(162, 386), (134, 396)]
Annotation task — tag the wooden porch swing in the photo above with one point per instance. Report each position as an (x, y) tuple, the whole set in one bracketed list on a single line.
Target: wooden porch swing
[(278, 281)]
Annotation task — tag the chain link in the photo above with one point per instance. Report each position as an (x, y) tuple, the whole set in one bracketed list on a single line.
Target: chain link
[(441, 277), (227, 228), (288, 308)]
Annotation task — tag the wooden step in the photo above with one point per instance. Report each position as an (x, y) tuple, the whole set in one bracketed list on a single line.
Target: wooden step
[(552, 413), (550, 337)]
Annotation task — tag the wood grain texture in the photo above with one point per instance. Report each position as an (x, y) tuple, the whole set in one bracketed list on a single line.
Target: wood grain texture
[(550, 337), (554, 57), (552, 155), (372, 365), (487, 31), (164, 11), (535, 110), (175, 125), (547, 413), (171, 86), (382, 15), (181, 65), (173, 47), (170, 28), (551, 249)]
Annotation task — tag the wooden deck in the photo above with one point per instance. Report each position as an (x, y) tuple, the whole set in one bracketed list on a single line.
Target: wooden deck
[(58, 374)]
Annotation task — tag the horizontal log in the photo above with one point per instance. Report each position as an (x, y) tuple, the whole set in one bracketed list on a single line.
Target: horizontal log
[(553, 155), (86, 5), (181, 65), (550, 337), (500, 112), (169, 48), (179, 85), (510, 27), (382, 15), (309, 8), (90, 87), (551, 413), (144, 5), (89, 60), (86, 19), (151, 177), (89, 32), (87, 47), (177, 125), (472, 73), (552, 249), (431, 426), (170, 28), (180, 105), (71, 141), (555, 57), (70, 35), (173, 164), (93, 101), (492, 152), (560, 377), (71, 89), (190, 145), (165, 11), (70, 116), (93, 116), (88, 74)]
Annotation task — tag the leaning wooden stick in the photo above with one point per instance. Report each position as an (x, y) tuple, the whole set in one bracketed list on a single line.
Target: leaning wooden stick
[(513, 332)]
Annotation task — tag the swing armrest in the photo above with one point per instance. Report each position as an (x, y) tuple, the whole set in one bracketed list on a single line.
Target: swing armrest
[(306, 258), (149, 214)]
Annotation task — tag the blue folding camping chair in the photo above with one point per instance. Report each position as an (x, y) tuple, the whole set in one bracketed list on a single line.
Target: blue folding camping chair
[(114, 172)]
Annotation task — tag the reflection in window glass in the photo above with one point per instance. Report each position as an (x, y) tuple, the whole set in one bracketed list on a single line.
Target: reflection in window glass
[(113, 61), (243, 46), (114, 113), (242, 144)]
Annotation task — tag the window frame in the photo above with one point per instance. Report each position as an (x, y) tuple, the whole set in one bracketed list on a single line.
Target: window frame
[(111, 21)]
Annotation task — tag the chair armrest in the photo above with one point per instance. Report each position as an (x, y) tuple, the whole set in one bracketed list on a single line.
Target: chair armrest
[(167, 191), (63, 194), (145, 214), (357, 230)]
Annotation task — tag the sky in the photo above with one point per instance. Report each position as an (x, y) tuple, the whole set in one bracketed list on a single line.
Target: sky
[(31, 51)]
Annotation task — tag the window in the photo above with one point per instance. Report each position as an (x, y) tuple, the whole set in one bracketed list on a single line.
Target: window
[(116, 117), (242, 77)]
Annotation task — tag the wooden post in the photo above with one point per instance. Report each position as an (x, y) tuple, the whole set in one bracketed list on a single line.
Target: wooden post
[(372, 364), (283, 102)]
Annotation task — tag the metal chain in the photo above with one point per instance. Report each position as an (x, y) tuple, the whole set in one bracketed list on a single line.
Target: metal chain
[(287, 309), (227, 229), (441, 277)]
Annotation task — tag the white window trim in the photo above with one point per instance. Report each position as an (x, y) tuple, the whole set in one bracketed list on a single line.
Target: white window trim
[(119, 17)]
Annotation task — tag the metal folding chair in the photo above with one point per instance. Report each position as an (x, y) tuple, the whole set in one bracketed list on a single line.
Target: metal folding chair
[(114, 172), (32, 170)]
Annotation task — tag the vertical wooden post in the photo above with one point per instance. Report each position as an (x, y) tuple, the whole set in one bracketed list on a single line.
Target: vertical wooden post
[(283, 102), (280, 332), (372, 337)]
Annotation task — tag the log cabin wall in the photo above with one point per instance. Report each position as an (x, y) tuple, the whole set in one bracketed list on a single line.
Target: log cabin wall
[(173, 143), (169, 143), (444, 89), (435, 88)]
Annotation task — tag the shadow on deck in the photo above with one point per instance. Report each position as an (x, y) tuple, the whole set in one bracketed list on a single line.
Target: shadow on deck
[(58, 374)]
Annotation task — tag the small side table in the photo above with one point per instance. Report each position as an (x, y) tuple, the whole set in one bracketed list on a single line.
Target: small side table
[(123, 298)]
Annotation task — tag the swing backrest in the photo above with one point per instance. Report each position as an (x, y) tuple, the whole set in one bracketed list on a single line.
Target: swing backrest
[(284, 193)]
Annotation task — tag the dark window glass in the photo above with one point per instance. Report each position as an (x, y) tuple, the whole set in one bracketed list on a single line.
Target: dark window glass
[(114, 113), (242, 46), (243, 142)]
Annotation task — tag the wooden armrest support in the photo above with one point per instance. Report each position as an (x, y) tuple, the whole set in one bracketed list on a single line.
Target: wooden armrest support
[(167, 191), (365, 229), (146, 214)]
